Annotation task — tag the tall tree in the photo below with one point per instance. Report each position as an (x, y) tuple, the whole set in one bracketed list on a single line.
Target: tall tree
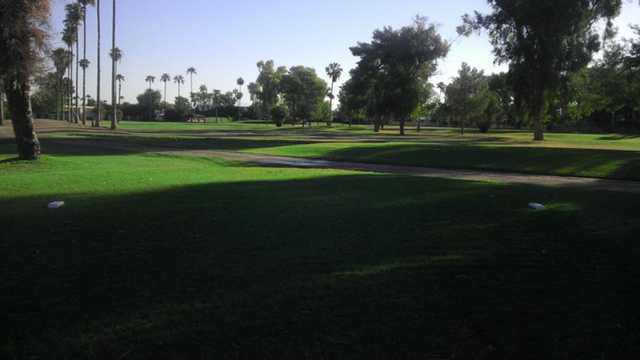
[(394, 69), (24, 25), (99, 83), (60, 59), (72, 31), (84, 63), (1, 103), (334, 71), (150, 79), (468, 95), (240, 83), (165, 78), (178, 80), (191, 71), (542, 41), (70, 38), (116, 55), (268, 85), (304, 92), (120, 79)]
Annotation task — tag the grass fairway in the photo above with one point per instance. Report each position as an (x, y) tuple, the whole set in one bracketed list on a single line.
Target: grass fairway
[(173, 256), (587, 155)]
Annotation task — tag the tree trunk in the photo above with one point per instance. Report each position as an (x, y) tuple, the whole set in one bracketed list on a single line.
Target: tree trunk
[(99, 99), (114, 103), (1, 107), (70, 99), (462, 124), (418, 125), (22, 119), (331, 106), (538, 134), (76, 108), (119, 95), (537, 113), (84, 69), (402, 122)]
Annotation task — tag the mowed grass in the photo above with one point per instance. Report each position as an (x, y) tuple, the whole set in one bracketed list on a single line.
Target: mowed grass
[(611, 156), (158, 256)]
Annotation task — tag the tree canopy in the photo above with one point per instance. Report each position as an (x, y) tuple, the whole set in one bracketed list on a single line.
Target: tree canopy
[(542, 41)]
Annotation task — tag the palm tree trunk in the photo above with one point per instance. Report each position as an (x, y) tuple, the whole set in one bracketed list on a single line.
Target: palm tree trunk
[(84, 69), (70, 99), (99, 99), (119, 95), (114, 104), (22, 118), (165, 95), (76, 107), (178, 89)]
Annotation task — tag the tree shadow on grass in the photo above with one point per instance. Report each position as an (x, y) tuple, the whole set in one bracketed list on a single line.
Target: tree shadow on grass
[(353, 264), (614, 164)]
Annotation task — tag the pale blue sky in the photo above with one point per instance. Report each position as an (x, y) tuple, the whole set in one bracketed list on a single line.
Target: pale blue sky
[(224, 40)]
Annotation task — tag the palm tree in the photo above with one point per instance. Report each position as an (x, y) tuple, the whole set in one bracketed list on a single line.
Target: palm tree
[(240, 83), (178, 80), (150, 79), (334, 71), (84, 63), (116, 55), (60, 58), (119, 79), (165, 78), (22, 41), (191, 71), (70, 38), (98, 99), (72, 30)]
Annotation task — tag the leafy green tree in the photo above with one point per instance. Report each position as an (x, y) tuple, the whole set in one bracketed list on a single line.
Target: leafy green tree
[(303, 92), (150, 102), (334, 71), (22, 41), (180, 111), (240, 83), (395, 68), (268, 85), (279, 114), (542, 41), (468, 95), (45, 96)]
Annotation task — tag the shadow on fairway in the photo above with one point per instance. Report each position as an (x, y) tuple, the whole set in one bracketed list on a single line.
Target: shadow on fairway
[(353, 265), (614, 164)]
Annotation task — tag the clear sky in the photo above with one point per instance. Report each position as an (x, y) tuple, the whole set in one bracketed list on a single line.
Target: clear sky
[(224, 40)]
